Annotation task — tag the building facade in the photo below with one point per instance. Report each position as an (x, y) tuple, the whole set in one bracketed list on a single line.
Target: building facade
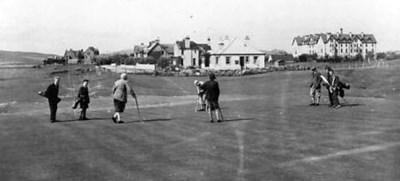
[(236, 54), (339, 44)]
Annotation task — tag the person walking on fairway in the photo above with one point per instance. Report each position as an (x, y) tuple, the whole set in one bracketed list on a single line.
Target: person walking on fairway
[(120, 95), (211, 89), (200, 96), (328, 86), (334, 88), (315, 86), (51, 94), (83, 99)]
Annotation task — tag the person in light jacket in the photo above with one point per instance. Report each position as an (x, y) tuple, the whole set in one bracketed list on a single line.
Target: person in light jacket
[(120, 95)]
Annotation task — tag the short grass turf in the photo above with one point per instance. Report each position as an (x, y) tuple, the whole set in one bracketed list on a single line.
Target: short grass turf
[(270, 133)]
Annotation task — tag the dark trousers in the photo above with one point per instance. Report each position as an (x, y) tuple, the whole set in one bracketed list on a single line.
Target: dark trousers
[(335, 98), (330, 95), (53, 110)]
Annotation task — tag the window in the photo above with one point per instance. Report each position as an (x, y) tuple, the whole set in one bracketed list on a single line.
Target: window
[(346, 50), (216, 60), (228, 60), (247, 59), (237, 62), (341, 50)]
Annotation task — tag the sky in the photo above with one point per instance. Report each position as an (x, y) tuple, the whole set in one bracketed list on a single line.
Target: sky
[(52, 26)]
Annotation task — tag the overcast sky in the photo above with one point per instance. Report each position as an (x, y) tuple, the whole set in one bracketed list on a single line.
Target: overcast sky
[(51, 26)]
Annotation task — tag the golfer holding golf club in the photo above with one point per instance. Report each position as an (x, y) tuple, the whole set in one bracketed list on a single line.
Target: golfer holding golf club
[(120, 95)]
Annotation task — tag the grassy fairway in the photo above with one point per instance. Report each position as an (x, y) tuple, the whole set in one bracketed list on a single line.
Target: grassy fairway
[(270, 134)]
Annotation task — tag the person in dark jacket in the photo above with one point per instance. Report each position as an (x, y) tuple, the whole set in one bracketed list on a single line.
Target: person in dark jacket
[(327, 69), (211, 89), (83, 99), (334, 88), (51, 94)]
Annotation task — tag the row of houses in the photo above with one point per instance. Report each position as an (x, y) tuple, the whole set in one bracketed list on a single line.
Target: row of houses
[(228, 53), (339, 44)]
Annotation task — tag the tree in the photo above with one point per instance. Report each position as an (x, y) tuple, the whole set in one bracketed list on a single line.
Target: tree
[(164, 61), (303, 58), (381, 55)]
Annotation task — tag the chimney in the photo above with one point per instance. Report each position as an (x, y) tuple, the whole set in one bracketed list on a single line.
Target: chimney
[(209, 41), (246, 40), (341, 31), (221, 43), (337, 34), (350, 34), (362, 34), (187, 42)]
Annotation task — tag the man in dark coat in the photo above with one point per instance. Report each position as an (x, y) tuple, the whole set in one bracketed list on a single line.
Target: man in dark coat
[(211, 89), (52, 96), (327, 69), (334, 88), (83, 99)]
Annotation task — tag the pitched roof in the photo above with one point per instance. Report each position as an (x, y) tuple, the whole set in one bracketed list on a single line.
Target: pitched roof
[(169, 48), (341, 38), (139, 49), (237, 46), (284, 57)]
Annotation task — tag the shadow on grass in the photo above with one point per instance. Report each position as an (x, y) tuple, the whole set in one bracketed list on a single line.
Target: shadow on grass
[(149, 120), (238, 119), (351, 105), (77, 120)]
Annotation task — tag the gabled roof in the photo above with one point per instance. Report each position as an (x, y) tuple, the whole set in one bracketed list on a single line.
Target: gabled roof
[(236, 47), (169, 48), (341, 38), (282, 57), (139, 49)]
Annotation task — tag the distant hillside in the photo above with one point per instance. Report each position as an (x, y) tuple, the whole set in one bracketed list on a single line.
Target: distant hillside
[(275, 52), (16, 57), (126, 51)]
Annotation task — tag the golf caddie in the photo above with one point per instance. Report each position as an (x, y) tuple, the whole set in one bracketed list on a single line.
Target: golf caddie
[(334, 88), (51, 94), (211, 89), (120, 95), (315, 86), (83, 99), (200, 103)]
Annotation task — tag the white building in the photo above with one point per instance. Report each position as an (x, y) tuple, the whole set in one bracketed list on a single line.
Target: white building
[(236, 54), (339, 44), (192, 53)]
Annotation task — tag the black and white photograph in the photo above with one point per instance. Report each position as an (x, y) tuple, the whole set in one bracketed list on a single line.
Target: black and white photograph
[(210, 90)]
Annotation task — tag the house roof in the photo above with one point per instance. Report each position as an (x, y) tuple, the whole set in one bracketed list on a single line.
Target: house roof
[(193, 46), (341, 38), (92, 49), (237, 46), (281, 57), (169, 48), (139, 49)]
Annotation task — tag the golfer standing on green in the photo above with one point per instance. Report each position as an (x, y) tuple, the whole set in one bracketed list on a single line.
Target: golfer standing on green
[(120, 95), (211, 88)]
